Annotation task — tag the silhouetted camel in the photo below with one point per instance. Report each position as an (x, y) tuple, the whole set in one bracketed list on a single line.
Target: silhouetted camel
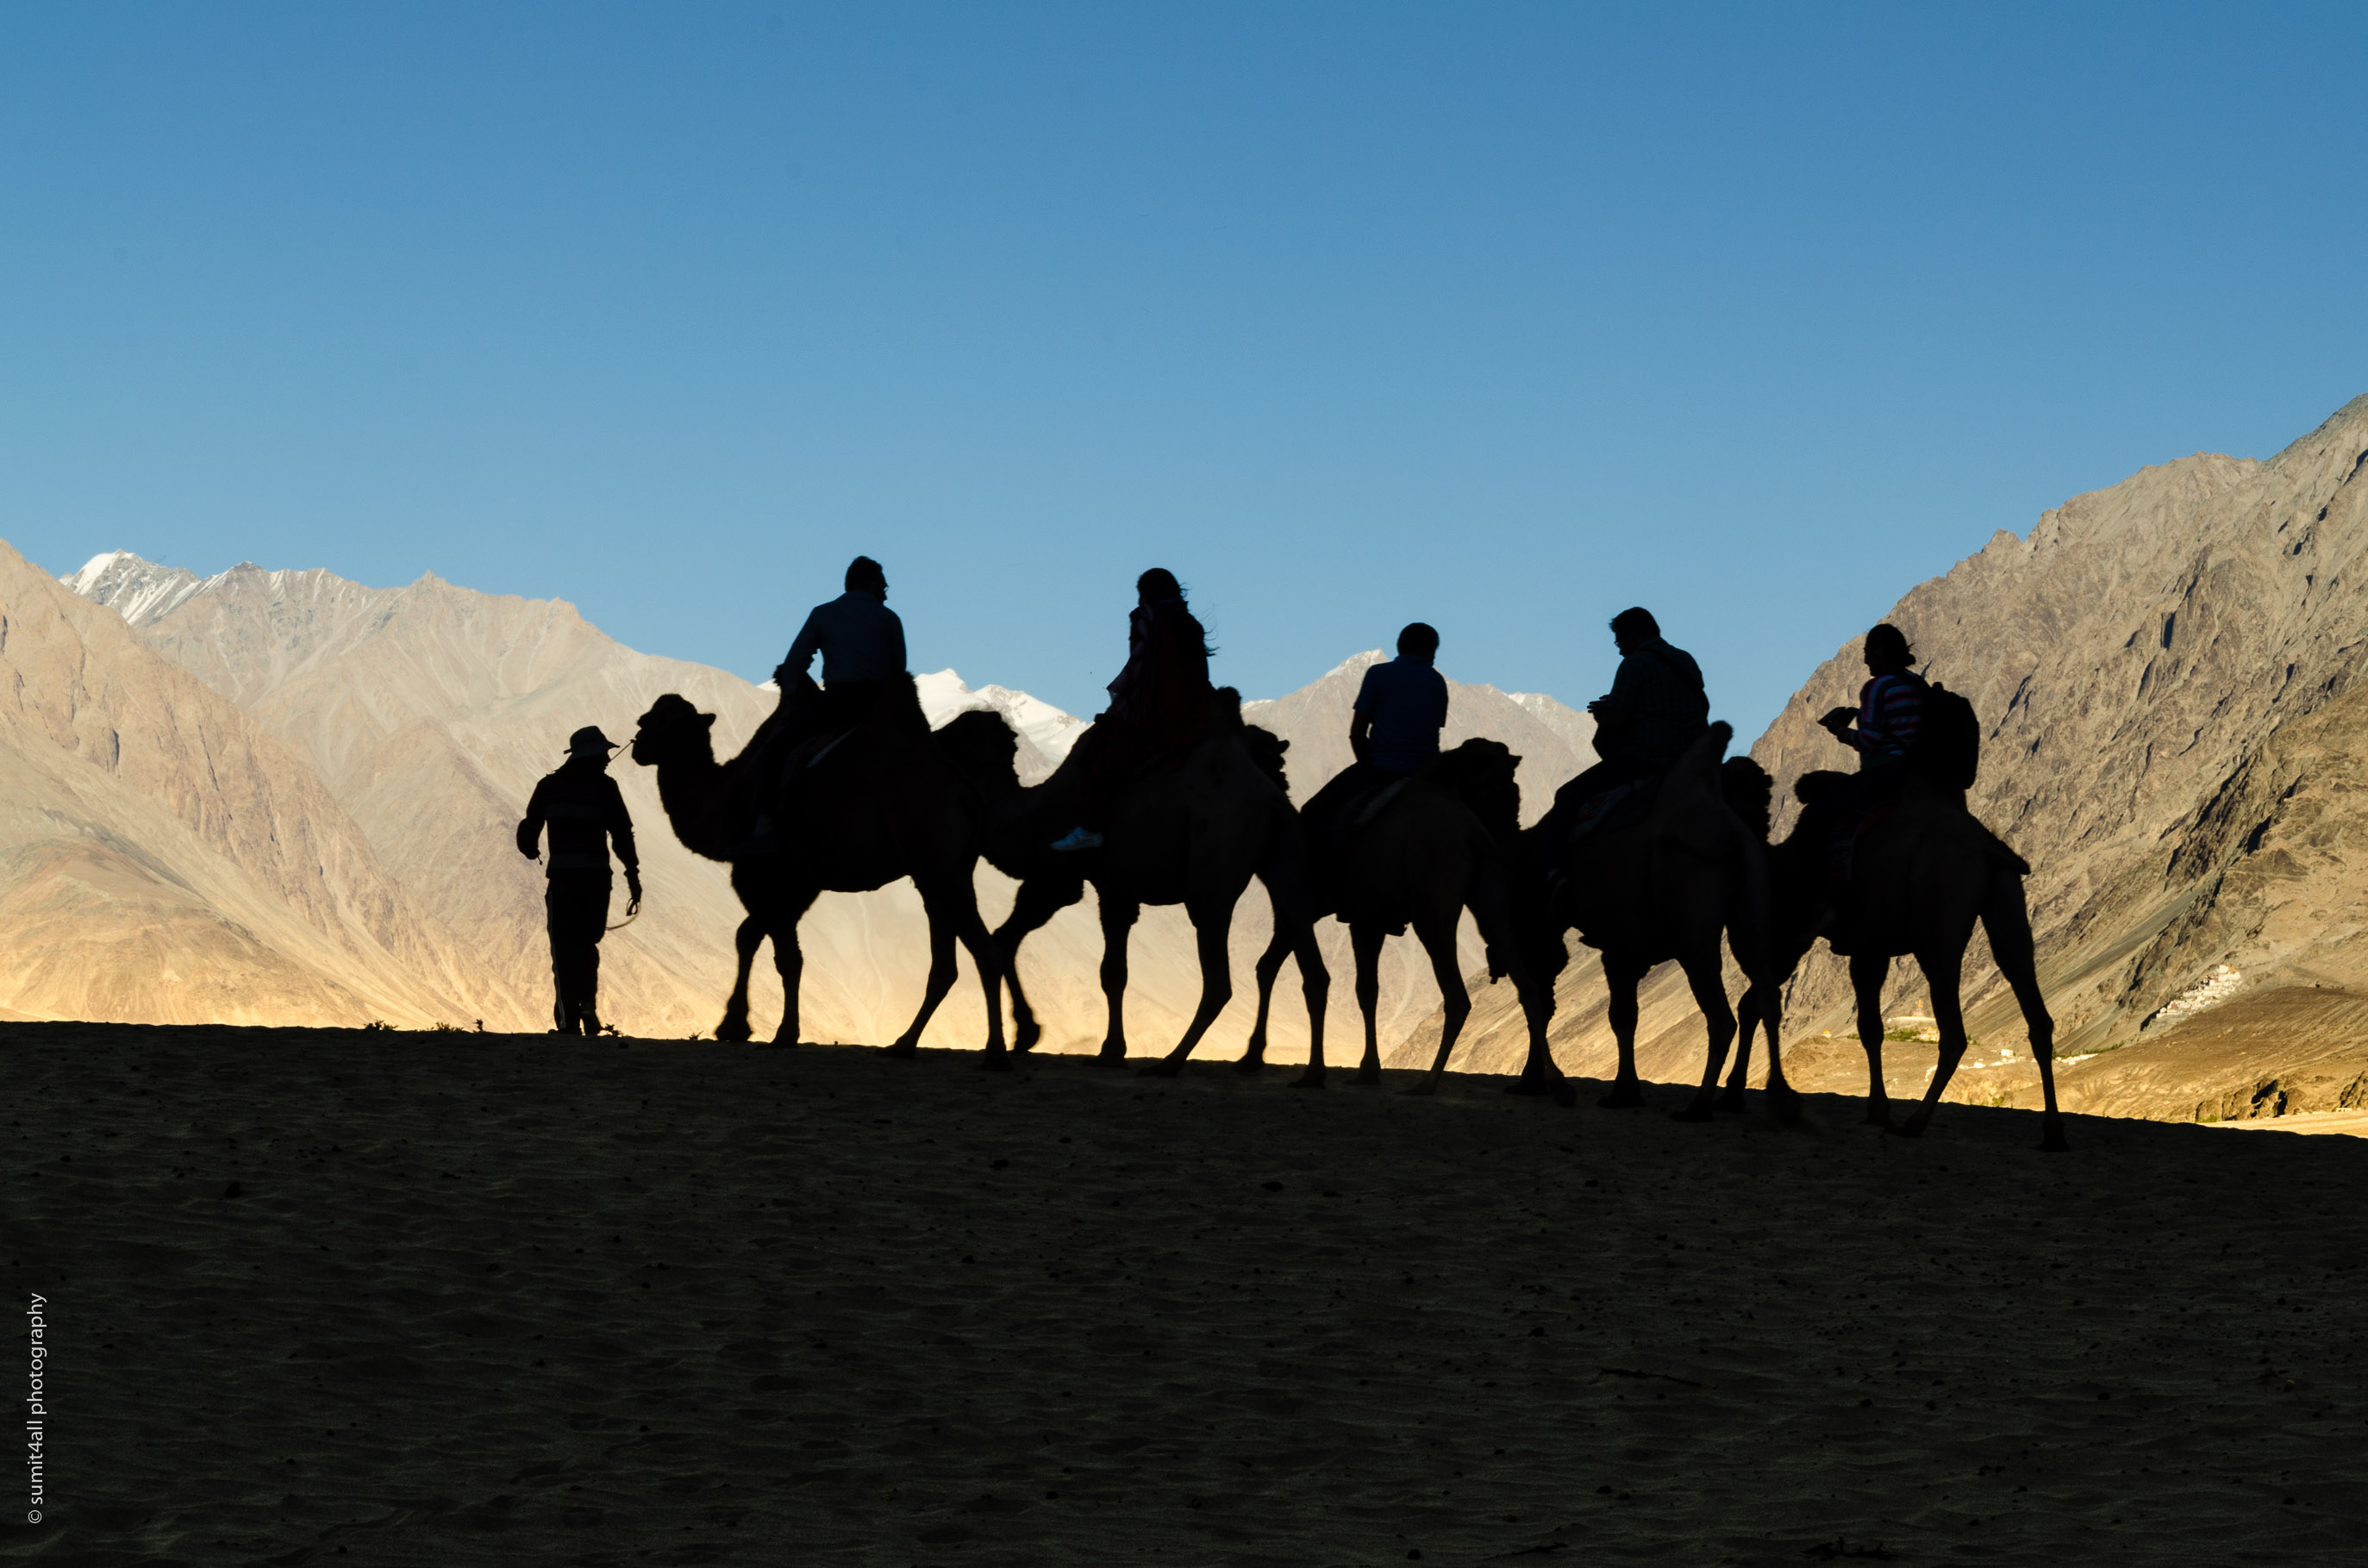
[(1667, 888), (1922, 875), (889, 800), (1438, 842), (1193, 835)]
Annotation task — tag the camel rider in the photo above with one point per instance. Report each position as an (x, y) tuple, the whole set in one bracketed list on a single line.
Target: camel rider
[(861, 643), (1889, 713), (1393, 726), (1656, 709), (585, 814), (1890, 705), (863, 646), (1159, 703)]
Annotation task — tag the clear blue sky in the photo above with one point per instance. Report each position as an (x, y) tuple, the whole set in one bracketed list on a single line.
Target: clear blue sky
[(1498, 316)]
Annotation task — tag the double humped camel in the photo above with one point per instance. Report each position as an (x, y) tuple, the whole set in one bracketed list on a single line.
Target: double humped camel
[(1192, 833), (1419, 852), (1923, 874), (889, 798), (1667, 887)]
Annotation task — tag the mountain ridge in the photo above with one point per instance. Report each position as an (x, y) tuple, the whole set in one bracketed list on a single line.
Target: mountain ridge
[(428, 710)]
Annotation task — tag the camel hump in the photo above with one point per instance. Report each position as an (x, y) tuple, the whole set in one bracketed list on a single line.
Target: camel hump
[(1695, 773), (980, 743), (1691, 810)]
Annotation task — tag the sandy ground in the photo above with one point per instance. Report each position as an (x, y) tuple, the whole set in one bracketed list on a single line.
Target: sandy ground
[(486, 1300)]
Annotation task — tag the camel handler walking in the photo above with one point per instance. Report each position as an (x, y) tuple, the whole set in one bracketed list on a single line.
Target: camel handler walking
[(585, 814)]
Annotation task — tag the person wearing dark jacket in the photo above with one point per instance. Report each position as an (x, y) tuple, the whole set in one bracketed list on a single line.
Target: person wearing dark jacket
[(863, 646), (1656, 709), (1159, 703), (581, 806)]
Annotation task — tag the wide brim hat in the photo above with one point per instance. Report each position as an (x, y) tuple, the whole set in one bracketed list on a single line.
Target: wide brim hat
[(589, 739)]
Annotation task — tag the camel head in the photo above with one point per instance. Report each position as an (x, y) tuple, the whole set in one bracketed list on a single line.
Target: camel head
[(1266, 749), (1811, 788), (982, 747), (672, 731), (1481, 772)]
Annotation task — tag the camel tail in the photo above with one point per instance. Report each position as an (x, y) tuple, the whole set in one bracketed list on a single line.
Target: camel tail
[(2005, 857), (1692, 810), (1747, 924)]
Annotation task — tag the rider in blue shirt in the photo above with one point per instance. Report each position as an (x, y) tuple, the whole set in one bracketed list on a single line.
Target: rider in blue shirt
[(1400, 709)]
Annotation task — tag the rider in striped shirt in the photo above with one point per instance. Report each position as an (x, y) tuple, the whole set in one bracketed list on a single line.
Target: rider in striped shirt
[(1890, 705)]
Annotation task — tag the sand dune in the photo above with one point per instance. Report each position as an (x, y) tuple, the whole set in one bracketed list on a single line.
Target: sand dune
[(487, 1299)]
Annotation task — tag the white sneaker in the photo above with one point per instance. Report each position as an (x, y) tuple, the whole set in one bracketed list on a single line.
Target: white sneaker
[(1078, 838)]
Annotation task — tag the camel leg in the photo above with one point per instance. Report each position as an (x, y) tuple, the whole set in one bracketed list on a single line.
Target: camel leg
[(1269, 969), (1437, 938), (1284, 870), (1622, 975), (1213, 920), (1709, 986), (942, 973), (1941, 977), (1314, 988), (2009, 925), (744, 943), (1781, 1098), (1763, 1008), (1747, 1023), (1540, 1074), (971, 927), (1365, 942), (1039, 899), (789, 962), (955, 917), (1867, 972), (1118, 916)]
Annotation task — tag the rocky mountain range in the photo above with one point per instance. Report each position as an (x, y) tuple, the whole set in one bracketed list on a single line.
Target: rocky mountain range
[(2167, 672), (284, 797)]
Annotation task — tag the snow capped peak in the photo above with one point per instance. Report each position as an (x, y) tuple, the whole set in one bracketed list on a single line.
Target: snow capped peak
[(96, 568), (1539, 703), (1043, 726), (140, 591), (1358, 663)]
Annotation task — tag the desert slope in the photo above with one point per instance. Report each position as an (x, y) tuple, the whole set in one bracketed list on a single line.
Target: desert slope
[(167, 860)]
